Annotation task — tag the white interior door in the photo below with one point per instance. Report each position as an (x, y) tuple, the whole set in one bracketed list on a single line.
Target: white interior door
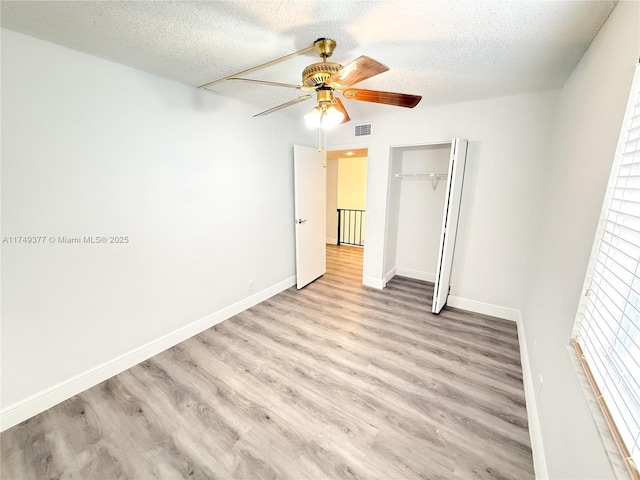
[(310, 212), (453, 196)]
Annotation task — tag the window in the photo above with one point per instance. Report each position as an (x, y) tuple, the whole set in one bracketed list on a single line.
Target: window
[(607, 330)]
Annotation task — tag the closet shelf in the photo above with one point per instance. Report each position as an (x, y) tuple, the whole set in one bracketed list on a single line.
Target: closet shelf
[(421, 176), (434, 177)]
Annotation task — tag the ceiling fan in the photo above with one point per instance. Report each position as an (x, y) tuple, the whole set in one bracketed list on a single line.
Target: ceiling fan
[(325, 79)]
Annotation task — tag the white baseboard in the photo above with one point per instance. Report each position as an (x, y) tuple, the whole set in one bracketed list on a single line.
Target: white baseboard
[(27, 408), (416, 274), (484, 308), (404, 272), (389, 275), (373, 282), (331, 241), (535, 434)]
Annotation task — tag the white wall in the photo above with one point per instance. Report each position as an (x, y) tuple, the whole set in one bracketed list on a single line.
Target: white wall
[(352, 182), (507, 165), (591, 108), (93, 148), (421, 208)]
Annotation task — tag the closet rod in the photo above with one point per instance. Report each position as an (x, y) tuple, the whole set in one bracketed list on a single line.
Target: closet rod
[(434, 177), (421, 176)]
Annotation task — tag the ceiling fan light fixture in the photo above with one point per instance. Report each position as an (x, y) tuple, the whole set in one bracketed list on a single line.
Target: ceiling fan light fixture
[(313, 118), (332, 118), (324, 117)]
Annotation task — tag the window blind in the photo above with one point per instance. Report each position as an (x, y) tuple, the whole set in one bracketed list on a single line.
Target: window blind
[(607, 331)]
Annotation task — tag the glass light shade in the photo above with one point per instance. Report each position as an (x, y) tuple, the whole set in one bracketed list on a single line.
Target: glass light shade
[(332, 117), (326, 119), (313, 118)]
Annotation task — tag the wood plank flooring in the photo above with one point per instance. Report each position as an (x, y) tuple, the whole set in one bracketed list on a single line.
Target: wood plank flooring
[(334, 381)]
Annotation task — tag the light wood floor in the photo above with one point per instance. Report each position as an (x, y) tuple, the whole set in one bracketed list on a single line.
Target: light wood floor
[(334, 381)]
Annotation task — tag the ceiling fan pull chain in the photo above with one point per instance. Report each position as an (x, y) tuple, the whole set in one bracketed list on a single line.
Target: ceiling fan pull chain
[(324, 140), (322, 136)]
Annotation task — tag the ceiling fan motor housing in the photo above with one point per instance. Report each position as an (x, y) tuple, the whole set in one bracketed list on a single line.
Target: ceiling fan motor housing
[(325, 96), (317, 73), (324, 47)]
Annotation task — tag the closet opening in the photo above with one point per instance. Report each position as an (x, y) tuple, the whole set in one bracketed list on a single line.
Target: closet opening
[(424, 191)]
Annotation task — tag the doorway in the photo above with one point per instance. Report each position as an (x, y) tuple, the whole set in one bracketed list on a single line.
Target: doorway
[(346, 197)]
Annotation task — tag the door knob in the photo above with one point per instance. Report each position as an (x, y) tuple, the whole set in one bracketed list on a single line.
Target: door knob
[(300, 220)]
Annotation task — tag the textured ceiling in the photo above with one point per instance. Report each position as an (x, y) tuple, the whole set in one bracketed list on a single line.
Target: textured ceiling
[(445, 51)]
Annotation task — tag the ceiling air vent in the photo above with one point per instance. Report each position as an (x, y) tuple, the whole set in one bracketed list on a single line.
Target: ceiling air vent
[(364, 129)]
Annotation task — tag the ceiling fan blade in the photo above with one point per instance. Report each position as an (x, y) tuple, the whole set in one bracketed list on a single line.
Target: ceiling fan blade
[(360, 69), (264, 82), (340, 107), (285, 105), (258, 67), (388, 98)]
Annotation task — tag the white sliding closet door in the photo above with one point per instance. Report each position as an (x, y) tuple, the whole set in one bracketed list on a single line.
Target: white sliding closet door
[(453, 196)]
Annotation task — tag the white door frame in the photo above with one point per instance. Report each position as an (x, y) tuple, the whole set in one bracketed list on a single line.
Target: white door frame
[(388, 275)]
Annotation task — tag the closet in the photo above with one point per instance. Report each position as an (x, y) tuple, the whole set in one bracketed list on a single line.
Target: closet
[(424, 192)]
